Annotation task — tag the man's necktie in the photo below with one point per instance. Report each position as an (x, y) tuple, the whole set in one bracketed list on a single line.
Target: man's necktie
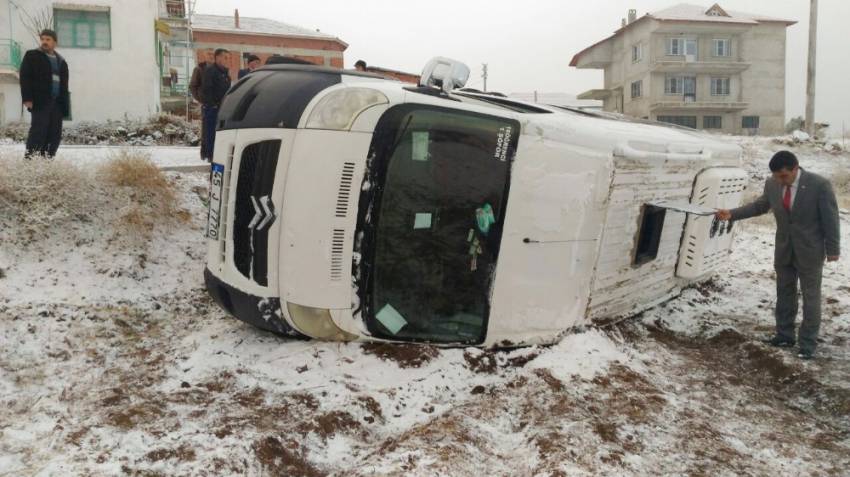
[(786, 201)]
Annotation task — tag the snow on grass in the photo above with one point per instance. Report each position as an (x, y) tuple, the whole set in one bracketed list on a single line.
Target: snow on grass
[(590, 353), (163, 156)]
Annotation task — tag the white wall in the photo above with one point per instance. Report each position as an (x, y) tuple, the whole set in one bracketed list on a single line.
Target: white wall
[(122, 81)]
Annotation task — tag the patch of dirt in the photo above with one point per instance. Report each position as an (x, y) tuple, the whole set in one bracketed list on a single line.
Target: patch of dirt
[(554, 383), (284, 458), (483, 362), (405, 355), (710, 287), (328, 424), (184, 453), (223, 381), (373, 407), (307, 400), (490, 361), (728, 337), (133, 416)]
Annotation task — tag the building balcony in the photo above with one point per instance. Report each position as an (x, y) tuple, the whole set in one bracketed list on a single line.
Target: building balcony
[(10, 57), (682, 105), (684, 66), (598, 94)]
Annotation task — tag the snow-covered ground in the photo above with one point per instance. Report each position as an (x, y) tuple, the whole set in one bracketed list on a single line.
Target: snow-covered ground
[(114, 361), (163, 156)]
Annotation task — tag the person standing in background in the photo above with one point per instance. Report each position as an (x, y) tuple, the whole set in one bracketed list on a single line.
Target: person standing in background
[(253, 63), (215, 84), (44, 92), (195, 87)]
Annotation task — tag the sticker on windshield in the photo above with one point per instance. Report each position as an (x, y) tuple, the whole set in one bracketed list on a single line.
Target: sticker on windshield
[(485, 218), (421, 141), (422, 221), (503, 142), (391, 319)]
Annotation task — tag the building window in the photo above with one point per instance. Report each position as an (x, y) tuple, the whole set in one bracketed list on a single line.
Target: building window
[(674, 85), (637, 89), (720, 86), (681, 47), (712, 122), (649, 236), (675, 46), (686, 121), (83, 28), (750, 122), (637, 53), (722, 47)]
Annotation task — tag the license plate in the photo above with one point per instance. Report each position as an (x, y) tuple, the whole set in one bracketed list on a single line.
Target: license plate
[(216, 185)]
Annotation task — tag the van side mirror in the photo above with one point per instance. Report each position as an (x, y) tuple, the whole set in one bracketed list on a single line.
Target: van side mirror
[(444, 73)]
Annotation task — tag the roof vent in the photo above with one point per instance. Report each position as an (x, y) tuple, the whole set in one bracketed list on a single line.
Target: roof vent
[(632, 15), (716, 11), (236, 18)]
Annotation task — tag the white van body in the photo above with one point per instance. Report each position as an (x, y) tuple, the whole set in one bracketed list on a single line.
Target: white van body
[(588, 226)]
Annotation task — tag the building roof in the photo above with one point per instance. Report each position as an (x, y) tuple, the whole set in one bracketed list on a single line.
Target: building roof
[(686, 12), (699, 13), (256, 26)]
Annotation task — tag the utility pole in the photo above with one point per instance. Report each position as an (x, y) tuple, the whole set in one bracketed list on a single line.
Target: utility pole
[(810, 85), (484, 75)]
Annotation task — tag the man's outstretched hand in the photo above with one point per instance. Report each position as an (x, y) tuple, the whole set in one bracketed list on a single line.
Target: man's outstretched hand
[(723, 214)]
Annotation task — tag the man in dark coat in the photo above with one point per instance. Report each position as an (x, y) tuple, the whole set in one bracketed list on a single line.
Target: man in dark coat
[(195, 87), (214, 86), (198, 76), (44, 92), (253, 63), (807, 233)]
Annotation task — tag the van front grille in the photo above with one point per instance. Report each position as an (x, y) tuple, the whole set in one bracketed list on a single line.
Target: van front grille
[(254, 211)]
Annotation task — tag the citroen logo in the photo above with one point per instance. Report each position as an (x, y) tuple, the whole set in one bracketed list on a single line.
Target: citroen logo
[(263, 213)]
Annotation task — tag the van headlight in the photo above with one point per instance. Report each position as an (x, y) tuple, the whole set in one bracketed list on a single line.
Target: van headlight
[(317, 323), (339, 109)]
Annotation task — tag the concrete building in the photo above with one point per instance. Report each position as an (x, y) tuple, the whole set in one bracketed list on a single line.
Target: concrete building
[(111, 55), (701, 67), (264, 37)]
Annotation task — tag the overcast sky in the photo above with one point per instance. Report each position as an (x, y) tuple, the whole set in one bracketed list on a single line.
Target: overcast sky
[(528, 45)]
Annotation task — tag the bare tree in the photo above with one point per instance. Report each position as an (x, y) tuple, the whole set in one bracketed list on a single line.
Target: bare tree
[(36, 22)]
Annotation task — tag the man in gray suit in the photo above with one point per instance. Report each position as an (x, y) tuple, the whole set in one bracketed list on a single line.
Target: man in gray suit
[(807, 232)]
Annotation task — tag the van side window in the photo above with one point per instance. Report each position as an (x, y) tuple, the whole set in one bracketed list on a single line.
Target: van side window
[(649, 235)]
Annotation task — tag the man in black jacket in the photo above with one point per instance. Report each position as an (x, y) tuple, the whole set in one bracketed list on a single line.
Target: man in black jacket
[(214, 86), (44, 92), (253, 62)]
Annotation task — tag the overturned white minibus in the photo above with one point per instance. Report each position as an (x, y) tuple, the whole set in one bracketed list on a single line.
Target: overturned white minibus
[(345, 206)]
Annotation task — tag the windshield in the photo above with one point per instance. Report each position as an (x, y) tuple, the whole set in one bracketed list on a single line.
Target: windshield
[(431, 217)]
